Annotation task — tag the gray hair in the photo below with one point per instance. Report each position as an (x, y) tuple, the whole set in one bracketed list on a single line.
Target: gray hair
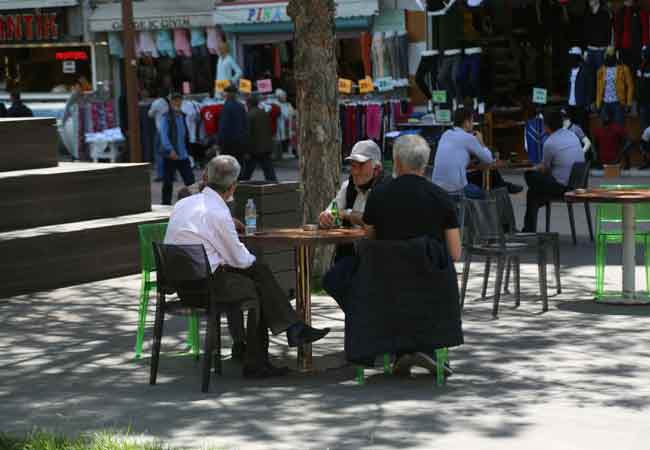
[(412, 151), (223, 171)]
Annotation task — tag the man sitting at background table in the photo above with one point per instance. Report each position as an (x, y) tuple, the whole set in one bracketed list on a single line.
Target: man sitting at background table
[(549, 179), (365, 174), (205, 219)]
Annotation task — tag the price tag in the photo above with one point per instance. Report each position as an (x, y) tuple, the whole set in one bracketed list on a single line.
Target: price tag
[(443, 116), (245, 86), (220, 85), (69, 67), (439, 96), (366, 85), (345, 86), (385, 84), (186, 88), (539, 96), (264, 86)]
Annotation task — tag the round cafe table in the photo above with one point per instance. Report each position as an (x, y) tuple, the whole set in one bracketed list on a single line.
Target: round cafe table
[(628, 198), (303, 243)]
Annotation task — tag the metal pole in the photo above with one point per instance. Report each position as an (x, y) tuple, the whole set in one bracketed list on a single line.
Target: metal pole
[(130, 75), (629, 262), (303, 302)]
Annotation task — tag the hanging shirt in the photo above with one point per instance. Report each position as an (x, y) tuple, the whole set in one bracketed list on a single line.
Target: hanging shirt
[(115, 45), (228, 69), (210, 116), (610, 85), (192, 119), (534, 139), (147, 45), (182, 43), (284, 121), (572, 86), (164, 44), (157, 110), (212, 40), (197, 37)]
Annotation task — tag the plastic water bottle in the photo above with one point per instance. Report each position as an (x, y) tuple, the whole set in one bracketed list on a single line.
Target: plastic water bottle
[(250, 217)]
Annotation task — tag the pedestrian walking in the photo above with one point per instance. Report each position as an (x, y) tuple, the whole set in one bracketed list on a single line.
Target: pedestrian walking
[(157, 110), (233, 126), (260, 142)]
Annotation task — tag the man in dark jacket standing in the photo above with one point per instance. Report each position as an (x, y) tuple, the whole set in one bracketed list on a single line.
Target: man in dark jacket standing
[(18, 108), (233, 126), (260, 142)]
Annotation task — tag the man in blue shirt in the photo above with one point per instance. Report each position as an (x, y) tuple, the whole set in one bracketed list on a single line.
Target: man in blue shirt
[(174, 139), (233, 127)]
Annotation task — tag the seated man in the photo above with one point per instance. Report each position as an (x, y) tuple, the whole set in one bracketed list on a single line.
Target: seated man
[(409, 207), (549, 179), (612, 144), (205, 219), (365, 175), (456, 149)]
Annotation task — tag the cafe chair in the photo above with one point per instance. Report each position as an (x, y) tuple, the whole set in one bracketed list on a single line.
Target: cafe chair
[(484, 236), (442, 358), (609, 220), (185, 271), (579, 179), (149, 233)]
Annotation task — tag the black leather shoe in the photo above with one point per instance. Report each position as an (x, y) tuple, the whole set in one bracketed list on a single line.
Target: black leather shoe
[(267, 371), (514, 188), (238, 351), (305, 335)]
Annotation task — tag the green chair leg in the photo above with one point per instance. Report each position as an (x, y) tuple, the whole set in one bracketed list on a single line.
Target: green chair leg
[(361, 376), (441, 358), (194, 340), (601, 249), (387, 368), (142, 316), (646, 256)]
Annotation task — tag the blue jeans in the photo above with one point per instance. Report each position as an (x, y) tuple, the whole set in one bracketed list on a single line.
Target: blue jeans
[(158, 157), (338, 280), (614, 111)]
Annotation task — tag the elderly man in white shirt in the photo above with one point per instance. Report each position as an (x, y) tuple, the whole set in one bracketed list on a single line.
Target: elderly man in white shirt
[(204, 218)]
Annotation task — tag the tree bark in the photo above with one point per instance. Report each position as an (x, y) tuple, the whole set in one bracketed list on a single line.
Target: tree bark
[(319, 134)]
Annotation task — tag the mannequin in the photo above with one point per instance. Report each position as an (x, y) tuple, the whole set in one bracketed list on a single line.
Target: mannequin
[(449, 42), (614, 88), (581, 86), (643, 82), (567, 123), (626, 21), (426, 75), (598, 34), (227, 67)]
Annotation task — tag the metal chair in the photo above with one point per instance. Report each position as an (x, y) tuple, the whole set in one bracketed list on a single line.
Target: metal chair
[(486, 237), (185, 270), (579, 178)]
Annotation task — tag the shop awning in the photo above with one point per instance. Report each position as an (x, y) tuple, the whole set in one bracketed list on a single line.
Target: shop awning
[(275, 13), (155, 15), (29, 4)]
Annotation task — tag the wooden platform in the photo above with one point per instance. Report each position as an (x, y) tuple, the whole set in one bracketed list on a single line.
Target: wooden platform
[(72, 192), (28, 143), (54, 256)]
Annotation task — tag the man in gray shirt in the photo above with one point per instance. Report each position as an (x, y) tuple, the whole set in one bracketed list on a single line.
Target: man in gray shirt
[(455, 150), (562, 150)]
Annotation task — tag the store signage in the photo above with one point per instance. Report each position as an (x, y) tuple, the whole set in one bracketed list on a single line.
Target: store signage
[(71, 56), (245, 86), (345, 86), (158, 23), (539, 96), (439, 96), (221, 85), (69, 67), (264, 86), (272, 14), (26, 27), (366, 85), (443, 116)]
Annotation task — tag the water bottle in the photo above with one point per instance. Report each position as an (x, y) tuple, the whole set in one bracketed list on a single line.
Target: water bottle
[(250, 217)]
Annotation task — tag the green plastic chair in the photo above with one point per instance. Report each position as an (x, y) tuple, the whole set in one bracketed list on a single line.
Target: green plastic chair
[(608, 215), (442, 356), (148, 233)]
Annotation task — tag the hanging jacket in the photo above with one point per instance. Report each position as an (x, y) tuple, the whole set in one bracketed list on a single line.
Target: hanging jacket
[(624, 85), (404, 298), (584, 91)]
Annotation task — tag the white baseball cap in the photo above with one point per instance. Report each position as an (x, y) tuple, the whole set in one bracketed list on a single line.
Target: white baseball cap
[(364, 151)]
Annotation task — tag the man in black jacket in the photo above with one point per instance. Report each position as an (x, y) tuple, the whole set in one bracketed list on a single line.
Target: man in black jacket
[(232, 136), (18, 108)]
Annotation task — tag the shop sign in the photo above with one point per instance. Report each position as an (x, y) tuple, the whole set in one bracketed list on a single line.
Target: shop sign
[(221, 85), (158, 23), (443, 116), (71, 56), (245, 86), (539, 96), (345, 86), (30, 27), (366, 85), (264, 86), (263, 15), (69, 67), (439, 96)]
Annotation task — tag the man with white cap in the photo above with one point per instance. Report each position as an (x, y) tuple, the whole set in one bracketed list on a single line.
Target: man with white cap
[(365, 174)]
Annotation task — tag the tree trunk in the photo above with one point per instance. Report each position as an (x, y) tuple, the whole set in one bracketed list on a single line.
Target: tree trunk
[(317, 103)]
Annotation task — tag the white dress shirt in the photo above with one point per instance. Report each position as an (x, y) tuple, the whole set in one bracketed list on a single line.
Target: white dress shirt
[(157, 110), (204, 218)]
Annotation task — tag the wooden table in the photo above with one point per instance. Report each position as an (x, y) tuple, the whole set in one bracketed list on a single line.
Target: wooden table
[(303, 242), (626, 197), (499, 164)]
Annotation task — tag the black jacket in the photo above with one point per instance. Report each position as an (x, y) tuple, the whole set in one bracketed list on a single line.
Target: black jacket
[(404, 298), (643, 85)]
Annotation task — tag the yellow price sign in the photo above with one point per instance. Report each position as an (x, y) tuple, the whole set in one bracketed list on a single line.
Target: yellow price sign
[(221, 85), (366, 85), (345, 86), (245, 86)]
